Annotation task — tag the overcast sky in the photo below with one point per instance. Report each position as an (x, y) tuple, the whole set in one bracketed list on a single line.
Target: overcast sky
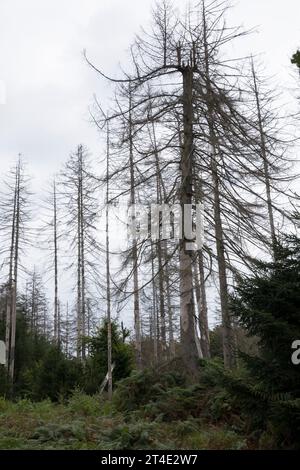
[(49, 86)]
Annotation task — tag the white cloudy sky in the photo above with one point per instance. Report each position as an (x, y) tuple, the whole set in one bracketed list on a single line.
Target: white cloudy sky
[(49, 86)]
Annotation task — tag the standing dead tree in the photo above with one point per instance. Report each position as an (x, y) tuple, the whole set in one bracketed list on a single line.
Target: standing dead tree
[(15, 234), (206, 148), (50, 234), (108, 289), (78, 188)]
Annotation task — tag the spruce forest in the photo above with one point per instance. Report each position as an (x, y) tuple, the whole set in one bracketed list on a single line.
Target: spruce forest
[(150, 293)]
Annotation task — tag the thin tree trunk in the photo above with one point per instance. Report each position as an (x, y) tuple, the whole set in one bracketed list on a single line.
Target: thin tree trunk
[(13, 330), (265, 162), (228, 335), (163, 255), (79, 261), (137, 320), (10, 284), (56, 331), (154, 309), (187, 320), (202, 305), (14, 290), (67, 329), (109, 336), (169, 304), (59, 324), (159, 201), (83, 308), (14, 280)]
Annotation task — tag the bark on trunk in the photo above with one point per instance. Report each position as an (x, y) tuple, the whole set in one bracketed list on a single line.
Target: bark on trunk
[(187, 319), (109, 338), (228, 335), (265, 163), (56, 331)]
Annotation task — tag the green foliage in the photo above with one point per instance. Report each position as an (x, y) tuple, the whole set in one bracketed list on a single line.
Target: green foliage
[(96, 366), (216, 342), (216, 439), (50, 376), (256, 405), (87, 405), (165, 397), (4, 404), (57, 432), (43, 371), (142, 387), (267, 305), (244, 342), (81, 423), (3, 381), (296, 59), (139, 435), (176, 404)]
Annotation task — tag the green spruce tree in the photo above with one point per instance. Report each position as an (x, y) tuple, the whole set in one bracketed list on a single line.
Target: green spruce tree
[(267, 305)]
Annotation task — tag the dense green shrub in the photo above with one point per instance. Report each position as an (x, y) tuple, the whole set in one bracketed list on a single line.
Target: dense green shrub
[(267, 304), (96, 364), (43, 371), (51, 376), (144, 386), (84, 404)]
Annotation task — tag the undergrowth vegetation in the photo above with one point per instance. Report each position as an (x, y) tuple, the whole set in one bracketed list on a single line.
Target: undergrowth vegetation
[(91, 422)]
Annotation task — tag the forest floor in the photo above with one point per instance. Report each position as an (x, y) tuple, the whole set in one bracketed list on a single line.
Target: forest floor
[(86, 422)]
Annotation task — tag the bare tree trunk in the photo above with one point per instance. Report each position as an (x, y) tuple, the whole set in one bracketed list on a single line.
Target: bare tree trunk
[(80, 190), (170, 315), (159, 201), (164, 283), (228, 335), (79, 261), (109, 338), (11, 317), (137, 321), (83, 308), (187, 320), (202, 306), (203, 318), (154, 309), (265, 162), (200, 286), (45, 322), (169, 303), (59, 324), (33, 307), (88, 323), (67, 337), (56, 331), (14, 291), (13, 330), (162, 312), (10, 284)]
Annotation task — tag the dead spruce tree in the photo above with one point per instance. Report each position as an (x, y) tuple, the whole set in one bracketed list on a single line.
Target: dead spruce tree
[(36, 305), (273, 143), (108, 288), (78, 189), (15, 237), (159, 68), (206, 145), (50, 234)]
